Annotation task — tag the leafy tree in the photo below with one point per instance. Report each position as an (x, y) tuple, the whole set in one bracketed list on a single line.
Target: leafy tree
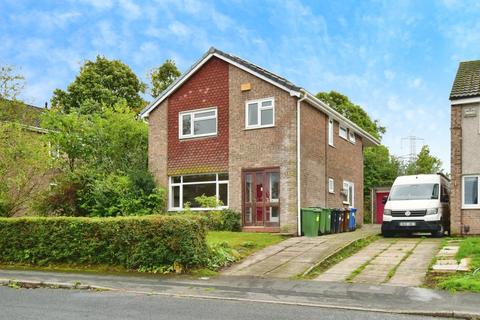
[(24, 161), (103, 165), (101, 84), (163, 76), (353, 112), (425, 163), (380, 168), (10, 83)]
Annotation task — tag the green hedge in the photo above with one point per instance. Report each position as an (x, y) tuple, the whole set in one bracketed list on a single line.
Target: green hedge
[(132, 242)]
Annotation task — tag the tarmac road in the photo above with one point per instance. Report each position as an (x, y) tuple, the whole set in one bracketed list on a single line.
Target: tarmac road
[(39, 304)]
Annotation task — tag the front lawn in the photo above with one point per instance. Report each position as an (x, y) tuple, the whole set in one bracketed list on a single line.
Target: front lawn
[(245, 243), (468, 281)]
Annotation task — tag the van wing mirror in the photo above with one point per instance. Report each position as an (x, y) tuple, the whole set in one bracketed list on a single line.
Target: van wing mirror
[(384, 199)]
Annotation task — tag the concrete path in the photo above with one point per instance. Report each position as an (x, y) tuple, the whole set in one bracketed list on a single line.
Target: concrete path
[(296, 255), (400, 262)]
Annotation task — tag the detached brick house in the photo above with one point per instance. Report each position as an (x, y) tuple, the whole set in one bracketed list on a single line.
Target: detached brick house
[(259, 143), (465, 143)]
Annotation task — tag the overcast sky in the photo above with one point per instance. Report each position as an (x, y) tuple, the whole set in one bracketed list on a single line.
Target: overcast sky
[(397, 59)]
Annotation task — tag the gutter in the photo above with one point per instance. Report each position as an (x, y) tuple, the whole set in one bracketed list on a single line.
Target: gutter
[(299, 210)]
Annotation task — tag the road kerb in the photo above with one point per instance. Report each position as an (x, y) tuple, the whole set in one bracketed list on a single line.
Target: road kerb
[(53, 285)]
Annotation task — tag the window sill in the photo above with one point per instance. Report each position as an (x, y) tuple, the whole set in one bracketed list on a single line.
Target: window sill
[(346, 203), (196, 209), (477, 207), (198, 137), (331, 145), (262, 127), (330, 192)]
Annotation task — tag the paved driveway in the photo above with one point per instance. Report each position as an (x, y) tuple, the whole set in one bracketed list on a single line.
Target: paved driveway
[(401, 262), (296, 255)]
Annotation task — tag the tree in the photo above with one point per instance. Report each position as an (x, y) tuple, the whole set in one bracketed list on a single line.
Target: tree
[(380, 168), (353, 112), (163, 76), (24, 161), (102, 165), (10, 83), (425, 163), (101, 84)]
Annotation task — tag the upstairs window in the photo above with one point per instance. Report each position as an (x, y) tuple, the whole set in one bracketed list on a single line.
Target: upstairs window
[(343, 132), (198, 123), (330, 132), (351, 136), (260, 113)]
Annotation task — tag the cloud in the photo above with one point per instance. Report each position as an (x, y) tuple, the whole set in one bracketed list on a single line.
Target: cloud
[(130, 9)]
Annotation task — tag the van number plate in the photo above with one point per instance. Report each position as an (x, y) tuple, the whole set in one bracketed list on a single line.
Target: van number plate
[(407, 224)]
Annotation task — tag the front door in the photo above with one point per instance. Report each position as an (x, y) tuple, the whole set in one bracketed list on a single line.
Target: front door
[(261, 197)]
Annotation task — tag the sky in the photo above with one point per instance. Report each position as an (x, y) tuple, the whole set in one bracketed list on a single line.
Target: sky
[(396, 59)]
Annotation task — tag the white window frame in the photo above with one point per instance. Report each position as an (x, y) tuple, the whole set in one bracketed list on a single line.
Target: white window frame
[(192, 114), (471, 206), (341, 129), (346, 186), (330, 132), (351, 136), (180, 184), (331, 185), (259, 113)]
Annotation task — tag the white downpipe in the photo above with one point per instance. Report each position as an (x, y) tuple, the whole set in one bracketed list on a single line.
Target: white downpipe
[(299, 212)]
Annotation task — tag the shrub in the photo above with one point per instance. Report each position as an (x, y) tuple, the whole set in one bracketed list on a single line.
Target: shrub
[(144, 243)]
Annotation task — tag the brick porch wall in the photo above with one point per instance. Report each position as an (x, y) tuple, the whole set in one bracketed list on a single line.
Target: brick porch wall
[(267, 147)]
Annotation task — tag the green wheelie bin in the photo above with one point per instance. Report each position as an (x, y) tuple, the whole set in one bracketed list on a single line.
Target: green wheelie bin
[(328, 220), (310, 222), (323, 219)]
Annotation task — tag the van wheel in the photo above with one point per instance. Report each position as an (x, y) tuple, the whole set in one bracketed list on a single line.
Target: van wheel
[(440, 233)]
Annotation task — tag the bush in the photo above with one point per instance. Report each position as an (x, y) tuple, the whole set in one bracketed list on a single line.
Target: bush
[(145, 243), (88, 193), (219, 220)]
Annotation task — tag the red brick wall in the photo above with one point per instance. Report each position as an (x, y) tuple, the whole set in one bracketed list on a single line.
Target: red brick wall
[(208, 87)]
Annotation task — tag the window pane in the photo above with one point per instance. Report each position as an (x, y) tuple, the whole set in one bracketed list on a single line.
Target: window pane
[(274, 214), (205, 126), (223, 176), (248, 215), (252, 114), (176, 196), (199, 178), (176, 179), (267, 117), (186, 124), (204, 114), (274, 186), (471, 190), (196, 190), (223, 193), (248, 188), (267, 103)]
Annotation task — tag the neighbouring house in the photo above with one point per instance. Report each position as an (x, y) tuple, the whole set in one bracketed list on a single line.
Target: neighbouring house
[(465, 149), (259, 143)]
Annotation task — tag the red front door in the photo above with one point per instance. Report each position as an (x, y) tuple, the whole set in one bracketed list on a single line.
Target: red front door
[(261, 205), (380, 205)]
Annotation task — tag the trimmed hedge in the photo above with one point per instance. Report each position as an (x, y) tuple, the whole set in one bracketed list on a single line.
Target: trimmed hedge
[(221, 220), (132, 242)]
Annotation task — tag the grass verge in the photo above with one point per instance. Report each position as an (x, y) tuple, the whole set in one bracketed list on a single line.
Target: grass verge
[(339, 256), (465, 281)]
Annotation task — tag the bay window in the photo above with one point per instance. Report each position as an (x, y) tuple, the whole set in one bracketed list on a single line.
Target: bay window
[(183, 189)]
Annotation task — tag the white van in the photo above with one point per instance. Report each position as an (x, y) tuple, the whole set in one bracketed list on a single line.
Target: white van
[(418, 204)]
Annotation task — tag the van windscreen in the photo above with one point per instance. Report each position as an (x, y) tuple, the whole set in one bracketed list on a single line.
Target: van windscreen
[(424, 191)]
